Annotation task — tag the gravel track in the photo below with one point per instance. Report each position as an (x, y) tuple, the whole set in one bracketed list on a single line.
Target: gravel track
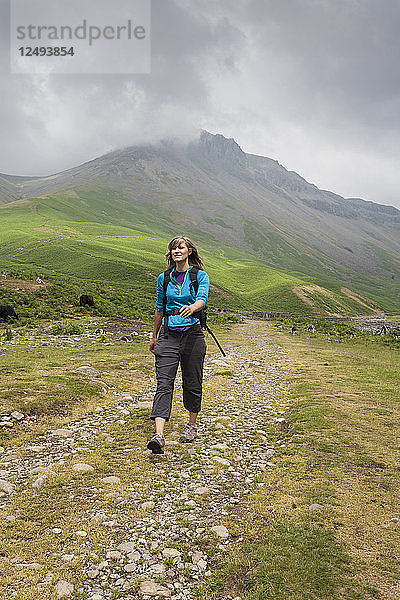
[(163, 551)]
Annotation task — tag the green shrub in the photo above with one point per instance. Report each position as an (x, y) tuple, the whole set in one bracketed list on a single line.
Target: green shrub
[(66, 329)]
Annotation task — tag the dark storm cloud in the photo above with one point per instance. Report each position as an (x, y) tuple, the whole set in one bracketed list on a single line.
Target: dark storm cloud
[(59, 121), (342, 56), (313, 83), (322, 84), (181, 40)]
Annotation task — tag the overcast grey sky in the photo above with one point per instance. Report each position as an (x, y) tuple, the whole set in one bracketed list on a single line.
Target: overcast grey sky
[(314, 84)]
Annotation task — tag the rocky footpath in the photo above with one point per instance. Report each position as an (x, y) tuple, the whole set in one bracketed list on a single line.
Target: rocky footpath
[(164, 550)]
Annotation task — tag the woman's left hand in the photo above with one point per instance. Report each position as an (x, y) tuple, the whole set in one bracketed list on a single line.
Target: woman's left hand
[(186, 311)]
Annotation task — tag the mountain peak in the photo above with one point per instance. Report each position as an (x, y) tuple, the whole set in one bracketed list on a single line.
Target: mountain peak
[(216, 148)]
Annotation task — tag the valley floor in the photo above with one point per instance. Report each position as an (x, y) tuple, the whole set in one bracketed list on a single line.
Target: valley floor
[(254, 509)]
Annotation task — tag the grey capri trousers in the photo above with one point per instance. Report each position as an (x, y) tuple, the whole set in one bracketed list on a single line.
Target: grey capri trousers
[(189, 349)]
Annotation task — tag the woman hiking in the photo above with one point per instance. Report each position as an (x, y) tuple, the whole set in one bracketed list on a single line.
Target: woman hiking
[(182, 291)]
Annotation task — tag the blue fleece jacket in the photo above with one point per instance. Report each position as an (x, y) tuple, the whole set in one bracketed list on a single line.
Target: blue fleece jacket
[(180, 295)]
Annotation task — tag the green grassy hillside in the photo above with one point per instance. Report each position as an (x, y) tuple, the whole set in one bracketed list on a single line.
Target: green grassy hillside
[(220, 196), (106, 245)]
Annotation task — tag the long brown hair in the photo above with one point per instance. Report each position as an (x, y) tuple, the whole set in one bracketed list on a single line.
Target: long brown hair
[(194, 257)]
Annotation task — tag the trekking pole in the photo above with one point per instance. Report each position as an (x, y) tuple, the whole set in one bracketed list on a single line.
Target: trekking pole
[(215, 340)]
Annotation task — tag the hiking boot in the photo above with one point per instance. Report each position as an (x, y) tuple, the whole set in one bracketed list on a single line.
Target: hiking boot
[(189, 434), (156, 444)]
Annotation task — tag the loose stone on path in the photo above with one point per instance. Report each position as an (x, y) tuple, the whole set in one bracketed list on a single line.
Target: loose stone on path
[(64, 589), (196, 557), (171, 553), (29, 566), (18, 416), (221, 531), (202, 490), (114, 555), (40, 482), (82, 468), (112, 480), (86, 370), (151, 588), (6, 486), (144, 404), (65, 433), (99, 517), (127, 547)]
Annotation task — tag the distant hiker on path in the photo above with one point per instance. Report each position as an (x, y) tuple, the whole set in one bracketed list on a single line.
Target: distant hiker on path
[(182, 291)]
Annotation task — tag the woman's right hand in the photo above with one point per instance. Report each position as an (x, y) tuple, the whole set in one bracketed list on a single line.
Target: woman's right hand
[(153, 343)]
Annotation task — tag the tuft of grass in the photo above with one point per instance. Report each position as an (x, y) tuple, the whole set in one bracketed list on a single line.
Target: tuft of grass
[(281, 559), (66, 329)]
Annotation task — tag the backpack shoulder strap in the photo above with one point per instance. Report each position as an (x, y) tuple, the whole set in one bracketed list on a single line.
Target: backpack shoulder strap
[(194, 283), (167, 277), (193, 278)]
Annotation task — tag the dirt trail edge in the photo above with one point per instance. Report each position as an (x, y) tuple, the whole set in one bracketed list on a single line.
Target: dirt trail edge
[(157, 533)]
